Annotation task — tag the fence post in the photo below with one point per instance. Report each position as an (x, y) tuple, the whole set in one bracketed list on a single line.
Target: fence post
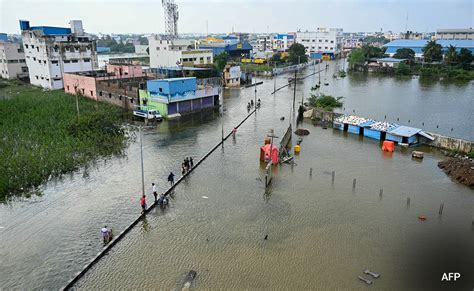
[(333, 174)]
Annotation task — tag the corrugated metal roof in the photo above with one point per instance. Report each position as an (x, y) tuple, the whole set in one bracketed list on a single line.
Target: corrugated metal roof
[(391, 60), (426, 135), (463, 43), (405, 131)]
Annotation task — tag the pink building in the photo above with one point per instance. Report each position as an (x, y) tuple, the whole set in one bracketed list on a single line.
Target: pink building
[(128, 71), (83, 83)]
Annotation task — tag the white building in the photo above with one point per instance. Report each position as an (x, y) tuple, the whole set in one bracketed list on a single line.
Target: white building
[(456, 34), (141, 49), (262, 43), (323, 41), (52, 51), (173, 52), (12, 61)]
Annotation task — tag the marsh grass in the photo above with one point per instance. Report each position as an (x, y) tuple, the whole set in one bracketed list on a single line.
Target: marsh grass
[(43, 138)]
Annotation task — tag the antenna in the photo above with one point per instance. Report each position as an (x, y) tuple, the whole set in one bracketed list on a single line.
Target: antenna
[(207, 28), (171, 17), (406, 23)]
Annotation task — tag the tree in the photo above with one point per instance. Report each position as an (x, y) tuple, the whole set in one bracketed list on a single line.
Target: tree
[(432, 52), (297, 54), (371, 51), (405, 53), (220, 61), (402, 70), (325, 102), (276, 58), (357, 57), (465, 57), (451, 55)]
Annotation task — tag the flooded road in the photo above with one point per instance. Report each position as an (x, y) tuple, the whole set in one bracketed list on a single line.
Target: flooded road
[(319, 235)]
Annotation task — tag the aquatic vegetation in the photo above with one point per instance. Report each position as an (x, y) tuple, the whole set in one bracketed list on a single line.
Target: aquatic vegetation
[(42, 136)]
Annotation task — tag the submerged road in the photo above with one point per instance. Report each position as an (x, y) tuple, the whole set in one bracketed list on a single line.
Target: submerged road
[(46, 239)]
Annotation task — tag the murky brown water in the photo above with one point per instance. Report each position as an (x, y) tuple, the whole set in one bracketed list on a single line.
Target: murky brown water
[(320, 236)]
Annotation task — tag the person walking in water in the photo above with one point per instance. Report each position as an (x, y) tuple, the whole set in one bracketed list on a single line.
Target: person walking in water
[(191, 162), (143, 203), (154, 191), (104, 231), (171, 178)]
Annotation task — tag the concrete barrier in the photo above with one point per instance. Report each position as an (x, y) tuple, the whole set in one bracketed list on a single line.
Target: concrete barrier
[(449, 143), (122, 234)]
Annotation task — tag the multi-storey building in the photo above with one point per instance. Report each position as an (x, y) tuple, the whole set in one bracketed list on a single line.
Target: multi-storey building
[(321, 42), (166, 52), (12, 61), (282, 41), (456, 34), (52, 51)]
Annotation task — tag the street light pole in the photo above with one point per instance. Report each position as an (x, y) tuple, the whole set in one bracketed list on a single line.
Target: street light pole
[(141, 158), (255, 89)]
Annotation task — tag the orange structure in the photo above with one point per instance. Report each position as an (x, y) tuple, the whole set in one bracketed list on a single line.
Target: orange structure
[(388, 146), (269, 151)]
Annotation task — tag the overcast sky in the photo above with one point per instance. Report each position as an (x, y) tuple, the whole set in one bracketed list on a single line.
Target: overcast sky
[(146, 16)]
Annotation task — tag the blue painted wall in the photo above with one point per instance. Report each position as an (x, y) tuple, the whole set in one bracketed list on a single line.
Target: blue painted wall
[(372, 133), (175, 86), (353, 129), (393, 137)]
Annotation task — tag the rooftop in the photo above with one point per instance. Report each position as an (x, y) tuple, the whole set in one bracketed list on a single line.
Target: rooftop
[(175, 79), (391, 60), (451, 30), (465, 43)]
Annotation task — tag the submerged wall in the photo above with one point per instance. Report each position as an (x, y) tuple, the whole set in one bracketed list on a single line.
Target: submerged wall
[(450, 143)]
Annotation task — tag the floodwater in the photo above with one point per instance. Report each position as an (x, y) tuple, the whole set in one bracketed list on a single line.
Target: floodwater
[(320, 235)]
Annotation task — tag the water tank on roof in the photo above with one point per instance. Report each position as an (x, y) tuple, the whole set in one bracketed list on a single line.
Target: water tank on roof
[(76, 27), (24, 24)]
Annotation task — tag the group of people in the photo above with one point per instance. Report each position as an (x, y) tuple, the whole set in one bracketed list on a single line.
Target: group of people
[(187, 165), (251, 104)]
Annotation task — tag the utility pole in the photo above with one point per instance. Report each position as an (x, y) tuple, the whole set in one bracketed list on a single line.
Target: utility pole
[(255, 90), (274, 79), (141, 158), (294, 88)]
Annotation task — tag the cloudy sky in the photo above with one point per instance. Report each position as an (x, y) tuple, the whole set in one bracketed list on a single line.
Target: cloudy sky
[(146, 16)]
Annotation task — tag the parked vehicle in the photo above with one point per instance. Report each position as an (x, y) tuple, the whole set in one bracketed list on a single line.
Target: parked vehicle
[(151, 114)]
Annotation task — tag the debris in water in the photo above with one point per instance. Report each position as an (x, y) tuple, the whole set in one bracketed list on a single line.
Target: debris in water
[(375, 275), (301, 131), (367, 281), (205, 197), (422, 217), (266, 236), (189, 280), (282, 118)]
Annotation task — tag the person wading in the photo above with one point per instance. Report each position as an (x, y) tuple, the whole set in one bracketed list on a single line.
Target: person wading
[(143, 203), (105, 234), (171, 178), (154, 191)]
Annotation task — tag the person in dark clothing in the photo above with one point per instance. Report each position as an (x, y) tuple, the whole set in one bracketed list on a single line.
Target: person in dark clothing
[(171, 178), (191, 161), (183, 169), (154, 191)]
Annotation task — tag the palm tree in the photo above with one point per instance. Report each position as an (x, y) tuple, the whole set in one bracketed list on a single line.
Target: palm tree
[(451, 55), (432, 51)]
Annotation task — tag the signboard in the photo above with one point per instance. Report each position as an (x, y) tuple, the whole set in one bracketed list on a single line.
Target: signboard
[(234, 72), (239, 46)]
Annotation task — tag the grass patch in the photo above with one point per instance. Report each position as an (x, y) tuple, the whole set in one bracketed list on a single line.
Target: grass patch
[(42, 137)]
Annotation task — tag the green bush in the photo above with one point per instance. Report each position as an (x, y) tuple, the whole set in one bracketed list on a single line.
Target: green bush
[(325, 102)]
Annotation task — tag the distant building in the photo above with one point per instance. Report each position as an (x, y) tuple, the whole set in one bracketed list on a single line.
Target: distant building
[(118, 84), (141, 49), (236, 50), (3, 37), (411, 35), (102, 49), (390, 62), (263, 43), (52, 51), (456, 34), (418, 45), (282, 41), (173, 52), (176, 96), (12, 60), (324, 42), (232, 76)]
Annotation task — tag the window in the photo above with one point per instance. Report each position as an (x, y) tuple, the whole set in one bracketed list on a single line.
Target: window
[(92, 93), (157, 48), (160, 89), (120, 97), (164, 48), (325, 47), (56, 48), (82, 91), (332, 41), (54, 62), (32, 46), (320, 40), (74, 61), (71, 49), (331, 48), (194, 59), (100, 93), (34, 59), (26, 46), (42, 78), (201, 59), (87, 60), (325, 40), (67, 61), (67, 88), (313, 40), (37, 49), (110, 95), (208, 59)]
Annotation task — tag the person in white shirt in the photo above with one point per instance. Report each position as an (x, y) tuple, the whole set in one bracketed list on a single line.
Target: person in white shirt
[(105, 234)]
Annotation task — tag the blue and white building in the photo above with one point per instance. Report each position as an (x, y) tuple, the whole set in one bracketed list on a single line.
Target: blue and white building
[(418, 45), (52, 51), (177, 96), (282, 41)]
